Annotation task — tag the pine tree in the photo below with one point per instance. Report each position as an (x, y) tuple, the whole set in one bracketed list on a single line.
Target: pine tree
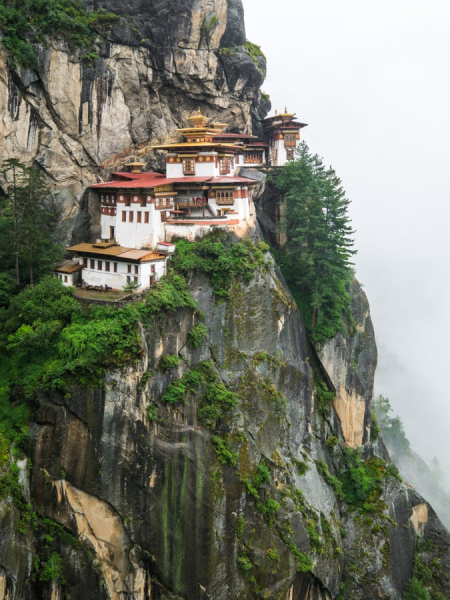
[(316, 260), (28, 218)]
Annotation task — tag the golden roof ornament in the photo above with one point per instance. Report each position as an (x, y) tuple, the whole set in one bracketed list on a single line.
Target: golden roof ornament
[(135, 166), (199, 120)]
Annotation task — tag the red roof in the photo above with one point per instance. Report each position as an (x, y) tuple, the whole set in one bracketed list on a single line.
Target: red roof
[(152, 180)]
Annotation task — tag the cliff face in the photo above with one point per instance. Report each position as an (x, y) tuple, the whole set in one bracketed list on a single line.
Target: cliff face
[(156, 65), (149, 505), (137, 497)]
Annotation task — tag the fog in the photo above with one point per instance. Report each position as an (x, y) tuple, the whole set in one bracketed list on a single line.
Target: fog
[(372, 83)]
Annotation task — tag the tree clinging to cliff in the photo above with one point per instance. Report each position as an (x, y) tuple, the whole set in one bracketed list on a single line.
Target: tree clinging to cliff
[(316, 260)]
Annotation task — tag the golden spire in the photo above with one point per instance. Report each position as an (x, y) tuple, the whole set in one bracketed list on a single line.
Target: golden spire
[(135, 165), (198, 120)]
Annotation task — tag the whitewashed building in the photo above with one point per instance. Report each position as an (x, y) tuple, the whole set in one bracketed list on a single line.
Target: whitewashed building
[(283, 133), (200, 189)]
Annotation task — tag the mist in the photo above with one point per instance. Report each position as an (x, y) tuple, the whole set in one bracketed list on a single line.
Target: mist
[(372, 83)]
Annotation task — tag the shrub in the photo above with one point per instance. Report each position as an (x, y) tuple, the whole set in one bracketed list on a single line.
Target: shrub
[(196, 335), (169, 361), (220, 259), (223, 451)]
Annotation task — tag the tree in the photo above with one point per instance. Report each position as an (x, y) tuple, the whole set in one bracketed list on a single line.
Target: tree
[(392, 428), (316, 260), (28, 218)]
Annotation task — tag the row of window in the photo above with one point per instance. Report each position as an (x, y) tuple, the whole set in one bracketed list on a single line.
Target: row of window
[(106, 265), (102, 265), (131, 217), (225, 165), (106, 199)]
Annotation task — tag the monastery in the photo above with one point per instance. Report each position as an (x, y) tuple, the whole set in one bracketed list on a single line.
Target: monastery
[(141, 212)]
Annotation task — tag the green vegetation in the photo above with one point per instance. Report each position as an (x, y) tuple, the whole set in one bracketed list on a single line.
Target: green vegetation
[(169, 361), (196, 335), (203, 381), (255, 52), (28, 21), (224, 451), (209, 24), (28, 219), (324, 397), (261, 477), (316, 259), (391, 427), (53, 569), (220, 259), (429, 576), (333, 481), (361, 480)]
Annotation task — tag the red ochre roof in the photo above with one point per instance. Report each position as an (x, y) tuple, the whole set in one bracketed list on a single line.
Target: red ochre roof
[(153, 180)]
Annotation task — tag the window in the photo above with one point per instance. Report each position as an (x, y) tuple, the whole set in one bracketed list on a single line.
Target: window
[(65, 278), (139, 215), (136, 269), (92, 263), (85, 263), (188, 166), (135, 279), (143, 201), (152, 268), (130, 216), (129, 268), (128, 279), (225, 197), (99, 265), (127, 201), (115, 267), (124, 216), (146, 217), (289, 153), (107, 263), (225, 165)]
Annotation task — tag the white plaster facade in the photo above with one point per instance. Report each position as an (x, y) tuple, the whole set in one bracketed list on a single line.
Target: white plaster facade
[(120, 273)]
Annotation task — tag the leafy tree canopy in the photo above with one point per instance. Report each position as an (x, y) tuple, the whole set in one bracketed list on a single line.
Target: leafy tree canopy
[(316, 260), (23, 22)]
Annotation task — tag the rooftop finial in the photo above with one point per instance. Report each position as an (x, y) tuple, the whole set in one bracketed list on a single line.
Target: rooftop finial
[(285, 110), (276, 111)]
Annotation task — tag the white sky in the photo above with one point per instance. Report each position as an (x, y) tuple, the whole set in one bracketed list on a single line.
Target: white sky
[(372, 81)]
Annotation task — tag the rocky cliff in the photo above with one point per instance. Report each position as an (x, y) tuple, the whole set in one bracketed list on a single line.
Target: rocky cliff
[(244, 465), (143, 494), (156, 64)]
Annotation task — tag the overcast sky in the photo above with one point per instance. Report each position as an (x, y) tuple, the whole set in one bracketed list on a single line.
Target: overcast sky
[(372, 81)]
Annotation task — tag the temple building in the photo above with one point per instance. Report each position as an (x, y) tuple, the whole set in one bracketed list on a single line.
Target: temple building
[(140, 212), (283, 134)]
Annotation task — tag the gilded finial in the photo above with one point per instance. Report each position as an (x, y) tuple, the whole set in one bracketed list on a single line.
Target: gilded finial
[(276, 111), (285, 110)]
